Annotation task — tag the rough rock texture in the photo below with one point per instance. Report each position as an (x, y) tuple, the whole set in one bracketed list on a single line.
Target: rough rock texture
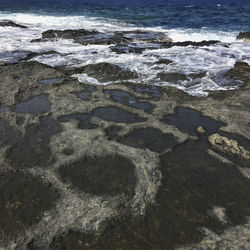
[(229, 145), (121, 165)]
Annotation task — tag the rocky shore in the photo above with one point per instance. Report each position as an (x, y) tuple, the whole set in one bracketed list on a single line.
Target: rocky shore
[(121, 166)]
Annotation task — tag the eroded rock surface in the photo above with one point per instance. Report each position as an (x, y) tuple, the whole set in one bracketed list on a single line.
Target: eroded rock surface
[(126, 165)]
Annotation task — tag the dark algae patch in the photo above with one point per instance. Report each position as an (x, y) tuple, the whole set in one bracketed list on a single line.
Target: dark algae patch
[(24, 199), (35, 105), (192, 184), (129, 100), (8, 135), (34, 148), (103, 175), (73, 240), (187, 120), (112, 131), (150, 138)]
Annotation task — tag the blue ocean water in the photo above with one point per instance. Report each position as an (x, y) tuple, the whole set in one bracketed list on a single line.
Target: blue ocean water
[(223, 15)]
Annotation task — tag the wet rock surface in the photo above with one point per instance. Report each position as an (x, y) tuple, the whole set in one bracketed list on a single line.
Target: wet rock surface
[(121, 166), (81, 36), (4, 23), (105, 72), (172, 77), (140, 46)]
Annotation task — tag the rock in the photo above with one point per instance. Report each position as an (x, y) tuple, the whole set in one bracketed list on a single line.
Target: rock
[(127, 48), (164, 61), (201, 130), (105, 72), (189, 43), (66, 34), (241, 71), (81, 36), (197, 75), (19, 82), (146, 36), (244, 36), (229, 146), (4, 23), (172, 77)]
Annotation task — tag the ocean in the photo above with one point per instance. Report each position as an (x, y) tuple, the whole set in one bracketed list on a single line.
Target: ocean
[(180, 20)]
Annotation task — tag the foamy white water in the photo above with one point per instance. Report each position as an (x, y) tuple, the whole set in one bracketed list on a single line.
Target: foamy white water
[(214, 60)]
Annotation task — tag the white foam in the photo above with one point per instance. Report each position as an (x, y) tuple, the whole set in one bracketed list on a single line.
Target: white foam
[(216, 59)]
